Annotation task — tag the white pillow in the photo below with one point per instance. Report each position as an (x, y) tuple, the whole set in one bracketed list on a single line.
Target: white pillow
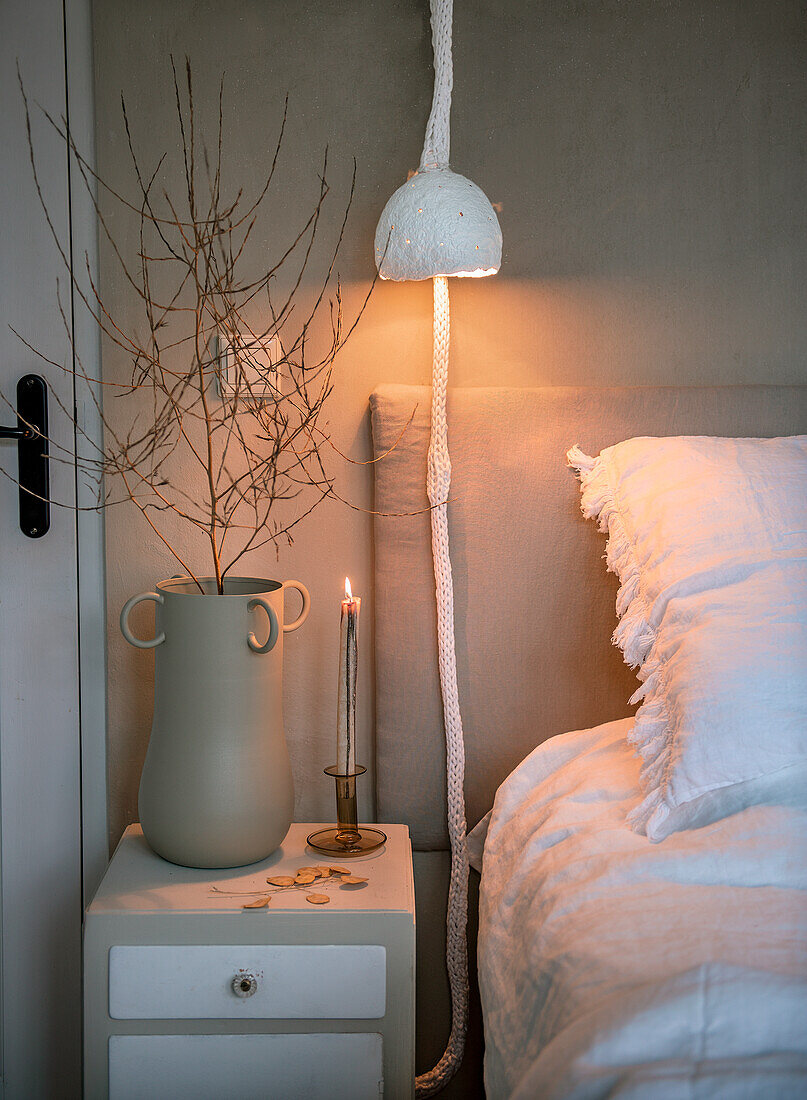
[(709, 539)]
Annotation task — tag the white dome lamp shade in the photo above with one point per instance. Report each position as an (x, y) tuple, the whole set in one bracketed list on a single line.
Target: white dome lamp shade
[(439, 224)]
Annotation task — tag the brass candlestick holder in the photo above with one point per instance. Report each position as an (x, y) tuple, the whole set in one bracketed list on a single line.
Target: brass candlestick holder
[(347, 839)]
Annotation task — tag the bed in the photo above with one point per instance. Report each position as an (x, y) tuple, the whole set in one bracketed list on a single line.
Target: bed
[(609, 965), (614, 967)]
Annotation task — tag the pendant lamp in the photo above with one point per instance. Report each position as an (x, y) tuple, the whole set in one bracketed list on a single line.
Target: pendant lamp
[(437, 225)]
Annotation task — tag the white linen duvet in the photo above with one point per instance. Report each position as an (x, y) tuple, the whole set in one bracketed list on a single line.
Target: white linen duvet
[(611, 966)]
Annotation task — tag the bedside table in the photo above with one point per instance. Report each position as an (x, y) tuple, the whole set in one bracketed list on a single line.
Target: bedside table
[(189, 995)]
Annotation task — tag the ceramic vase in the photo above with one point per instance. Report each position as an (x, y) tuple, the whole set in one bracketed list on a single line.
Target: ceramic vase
[(216, 788)]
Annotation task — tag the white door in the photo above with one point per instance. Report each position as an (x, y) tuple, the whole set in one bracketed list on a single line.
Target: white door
[(41, 600)]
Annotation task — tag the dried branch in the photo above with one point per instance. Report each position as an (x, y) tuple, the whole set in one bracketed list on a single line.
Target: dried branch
[(251, 449)]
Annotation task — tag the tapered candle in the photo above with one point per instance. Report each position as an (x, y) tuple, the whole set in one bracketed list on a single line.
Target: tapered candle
[(348, 660)]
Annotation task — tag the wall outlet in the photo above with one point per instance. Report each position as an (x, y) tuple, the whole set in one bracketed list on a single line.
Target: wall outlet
[(261, 378)]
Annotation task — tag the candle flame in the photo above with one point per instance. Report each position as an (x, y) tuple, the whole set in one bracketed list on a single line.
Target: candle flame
[(348, 589)]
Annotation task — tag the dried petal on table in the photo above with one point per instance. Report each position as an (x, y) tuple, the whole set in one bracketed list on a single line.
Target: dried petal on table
[(304, 879), (340, 871), (317, 899), (281, 880), (257, 904), (315, 871), (325, 872), (354, 880)]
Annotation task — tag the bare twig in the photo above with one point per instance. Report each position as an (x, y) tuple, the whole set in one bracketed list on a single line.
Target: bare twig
[(256, 446)]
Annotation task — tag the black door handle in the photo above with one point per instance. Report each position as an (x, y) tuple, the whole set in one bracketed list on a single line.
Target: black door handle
[(31, 433)]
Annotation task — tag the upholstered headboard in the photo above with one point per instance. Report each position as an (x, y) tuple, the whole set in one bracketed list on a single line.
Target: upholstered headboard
[(534, 610)]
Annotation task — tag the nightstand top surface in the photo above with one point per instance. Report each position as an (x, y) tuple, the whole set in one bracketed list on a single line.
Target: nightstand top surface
[(137, 880)]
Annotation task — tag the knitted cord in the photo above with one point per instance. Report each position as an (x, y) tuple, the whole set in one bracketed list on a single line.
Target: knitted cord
[(438, 481), (437, 144)]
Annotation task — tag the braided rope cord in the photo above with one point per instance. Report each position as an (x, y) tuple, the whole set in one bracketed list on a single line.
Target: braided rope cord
[(437, 484), (437, 145), (435, 154)]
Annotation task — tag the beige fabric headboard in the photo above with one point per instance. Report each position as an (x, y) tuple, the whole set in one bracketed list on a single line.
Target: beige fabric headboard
[(534, 609)]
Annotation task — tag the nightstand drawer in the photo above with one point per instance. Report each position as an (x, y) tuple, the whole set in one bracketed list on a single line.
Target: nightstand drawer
[(310, 982), (263, 1067)]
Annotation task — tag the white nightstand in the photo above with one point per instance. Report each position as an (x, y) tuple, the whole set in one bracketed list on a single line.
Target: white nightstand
[(330, 1004)]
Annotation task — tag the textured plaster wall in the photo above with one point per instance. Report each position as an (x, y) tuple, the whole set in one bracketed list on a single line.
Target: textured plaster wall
[(649, 158)]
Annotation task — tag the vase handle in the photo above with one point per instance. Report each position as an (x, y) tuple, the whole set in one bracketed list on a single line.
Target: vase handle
[(301, 588), (138, 643), (254, 644)]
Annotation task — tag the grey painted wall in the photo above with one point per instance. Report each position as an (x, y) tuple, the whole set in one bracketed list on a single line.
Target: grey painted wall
[(649, 158)]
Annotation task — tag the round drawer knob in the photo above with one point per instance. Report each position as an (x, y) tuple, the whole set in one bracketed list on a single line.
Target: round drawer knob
[(244, 985)]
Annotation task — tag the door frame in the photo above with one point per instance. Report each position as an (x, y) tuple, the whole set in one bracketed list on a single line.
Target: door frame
[(90, 543), (53, 836)]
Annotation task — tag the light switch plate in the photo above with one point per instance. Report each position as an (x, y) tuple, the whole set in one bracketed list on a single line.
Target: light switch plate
[(261, 378)]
